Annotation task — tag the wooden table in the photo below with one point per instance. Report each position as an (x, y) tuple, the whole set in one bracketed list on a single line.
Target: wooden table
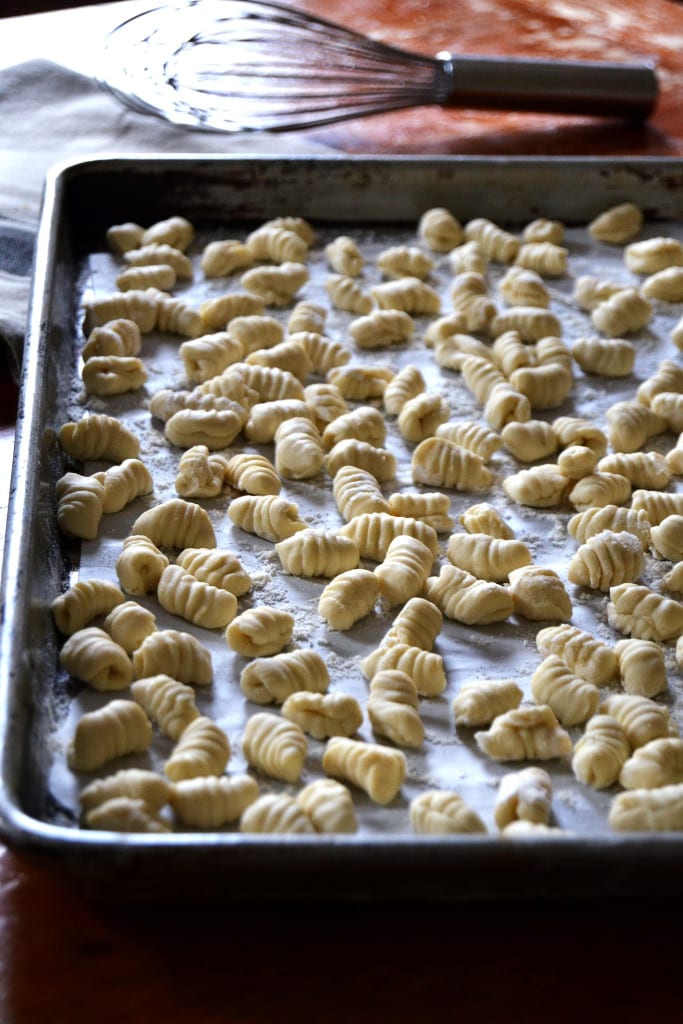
[(67, 960)]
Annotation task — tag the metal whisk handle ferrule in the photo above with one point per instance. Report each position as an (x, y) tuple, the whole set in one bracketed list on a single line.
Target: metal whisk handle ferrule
[(562, 87)]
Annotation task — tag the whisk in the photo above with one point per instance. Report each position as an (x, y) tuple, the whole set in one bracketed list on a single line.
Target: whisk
[(250, 65)]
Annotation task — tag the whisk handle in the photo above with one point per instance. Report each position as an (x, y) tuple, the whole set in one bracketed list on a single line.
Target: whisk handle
[(562, 87)]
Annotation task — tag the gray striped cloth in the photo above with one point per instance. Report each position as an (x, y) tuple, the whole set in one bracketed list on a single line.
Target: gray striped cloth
[(49, 114)]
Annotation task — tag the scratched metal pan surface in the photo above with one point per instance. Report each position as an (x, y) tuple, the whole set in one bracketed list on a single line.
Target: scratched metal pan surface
[(378, 202)]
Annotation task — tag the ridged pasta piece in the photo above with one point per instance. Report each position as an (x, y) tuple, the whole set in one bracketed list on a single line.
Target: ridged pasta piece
[(269, 383), (470, 296), (181, 593), (201, 473), (203, 749), (379, 771), (466, 599), (347, 294), (478, 703), (298, 225), (140, 565), (122, 238), (592, 521), (577, 430), (417, 624), (260, 631), (657, 763), (672, 582), (176, 654), (600, 488), (525, 795), (439, 462), (468, 256), (606, 560), (481, 375), (299, 452), (359, 383), (648, 810), (209, 802), (344, 256), (601, 752), (509, 352), (256, 331), (667, 538), (357, 491), (538, 594), (215, 428), (125, 814), (530, 323), (323, 353), (393, 708), (329, 806), (669, 405), (156, 253), (373, 532), (269, 242), (608, 357), (488, 558), (208, 355), (642, 469), (530, 441), (431, 507), (668, 377), (617, 224), (425, 667), (408, 383), (547, 258), (521, 286), (363, 424), (381, 328), (98, 436), (577, 461), (272, 680), (525, 734), (499, 245), (307, 316), (313, 552), (176, 231), (90, 654), (440, 229), (653, 254), (176, 316), (142, 307), (83, 602), (352, 452), (324, 403), (545, 386), (586, 656), (573, 699), (666, 285), (252, 473), (265, 417), (657, 505), (289, 356), (275, 813), (276, 285), (79, 505), (590, 291), (224, 257), (128, 624), (218, 567), (404, 569), (641, 718), (275, 746), (136, 783), (124, 483), (625, 312), (348, 597), (537, 487), (505, 405), (176, 523), (421, 416), (266, 515), (441, 812), (409, 294), (484, 518), (638, 611), (322, 715), (167, 702), (120, 727), (474, 436)]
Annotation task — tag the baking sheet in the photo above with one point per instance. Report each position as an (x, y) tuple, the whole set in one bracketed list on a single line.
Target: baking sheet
[(379, 203)]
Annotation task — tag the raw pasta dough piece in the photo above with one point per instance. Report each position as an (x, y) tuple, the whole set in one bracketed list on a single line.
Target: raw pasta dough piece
[(275, 813), (408, 383), (120, 727), (421, 416), (393, 708), (476, 437), (484, 518), (323, 714), (648, 810), (381, 328), (618, 224), (113, 375), (538, 487), (348, 597), (270, 242), (181, 593), (272, 680), (642, 469), (657, 763), (128, 624), (538, 594), (402, 573), (631, 424), (125, 814), (409, 294), (606, 560), (641, 718), (216, 566), (586, 656), (318, 553), (642, 667), (363, 424), (252, 473), (379, 771), (464, 598), (357, 491), (201, 474), (546, 258), (275, 746), (344, 256), (439, 229), (346, 294), (611, 357), (430, 507), (498, 244), (525, 795), (83, 602), (135, 783), (329, 805), (488, 558), (373, 532), (214, 428), (140, 565), (478, 703), (667, 538), (573, 699), (266, 515), (359, 383), (299, 452), (210, 802), (176, 654), (123, 484), (91, 655), (600, 753), (99, 437), (176, 231), (224, 256), (207, 356), (624, 312), (441, 463), (638, 611), (79, 505), (167, 702), (599, 489), (425, 667), (260, 631), (441, 812), (203, 749), (525, 734), (266, 417), (351, 452), (530, 441), (176, 524), (417, 624), (592, 521), (278, 285)]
